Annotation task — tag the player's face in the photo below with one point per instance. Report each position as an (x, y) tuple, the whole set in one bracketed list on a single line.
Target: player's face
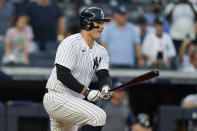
[(96, 32)]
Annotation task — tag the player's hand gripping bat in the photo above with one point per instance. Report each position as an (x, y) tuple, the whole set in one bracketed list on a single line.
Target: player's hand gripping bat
[(139, 79)]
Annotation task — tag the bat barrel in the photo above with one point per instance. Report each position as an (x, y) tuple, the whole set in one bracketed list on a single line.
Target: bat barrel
[(144, 77)]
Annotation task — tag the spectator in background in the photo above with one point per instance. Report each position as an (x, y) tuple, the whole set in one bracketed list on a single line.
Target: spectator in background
[(195, 30), (17, 41), (119, 115), (186, 49), (20, 6), (155, 11), (193, 66), (73, 26), (190, 101), (6, 16), (181, 16), (47, 22), (122, 41), (141, 28), (158, 47), (109, 14)]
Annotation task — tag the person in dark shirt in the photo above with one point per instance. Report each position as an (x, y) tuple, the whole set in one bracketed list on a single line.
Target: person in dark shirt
[(47, 21), (6, 17)]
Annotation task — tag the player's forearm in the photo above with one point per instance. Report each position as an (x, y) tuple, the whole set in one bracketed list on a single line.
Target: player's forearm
[(104, 78), (64, 75)]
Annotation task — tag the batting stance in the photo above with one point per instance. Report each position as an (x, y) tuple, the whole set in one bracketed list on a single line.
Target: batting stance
[(78, 57)]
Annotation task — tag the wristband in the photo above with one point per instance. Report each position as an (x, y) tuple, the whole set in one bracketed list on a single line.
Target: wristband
[(86, 92)]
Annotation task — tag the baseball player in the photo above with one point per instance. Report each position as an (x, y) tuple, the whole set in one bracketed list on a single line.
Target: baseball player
[(78, 57)]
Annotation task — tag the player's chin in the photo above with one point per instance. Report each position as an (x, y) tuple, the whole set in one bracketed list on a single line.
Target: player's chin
[(97, 36)]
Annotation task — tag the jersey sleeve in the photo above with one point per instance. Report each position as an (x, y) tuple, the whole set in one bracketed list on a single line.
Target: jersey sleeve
[(66, 54), (104, 64)]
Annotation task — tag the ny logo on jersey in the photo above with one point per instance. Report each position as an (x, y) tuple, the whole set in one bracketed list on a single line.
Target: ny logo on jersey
[(96, 62)]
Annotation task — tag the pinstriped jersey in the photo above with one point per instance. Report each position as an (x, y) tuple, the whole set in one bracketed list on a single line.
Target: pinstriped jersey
[(83, 61)]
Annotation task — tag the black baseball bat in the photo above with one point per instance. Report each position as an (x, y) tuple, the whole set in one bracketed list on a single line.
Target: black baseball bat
[(139, 79)]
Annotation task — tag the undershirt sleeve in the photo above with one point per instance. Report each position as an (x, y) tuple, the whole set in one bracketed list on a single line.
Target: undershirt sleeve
[(104, 78), (64, 75)]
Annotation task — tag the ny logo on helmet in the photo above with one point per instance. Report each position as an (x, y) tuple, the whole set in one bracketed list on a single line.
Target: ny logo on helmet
[(102, 14)]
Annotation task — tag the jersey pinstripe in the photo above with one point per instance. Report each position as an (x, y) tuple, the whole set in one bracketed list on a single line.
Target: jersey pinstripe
[(74, 53)]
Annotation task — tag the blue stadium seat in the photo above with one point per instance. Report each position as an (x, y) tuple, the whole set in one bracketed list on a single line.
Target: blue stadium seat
[(2, 48), (41, 59), (19, 113), (2, 117)]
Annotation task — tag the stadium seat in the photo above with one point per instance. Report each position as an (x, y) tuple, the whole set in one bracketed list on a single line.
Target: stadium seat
[(2, 117), (168, 115), (2, 48), (41, 59), (22, 115)]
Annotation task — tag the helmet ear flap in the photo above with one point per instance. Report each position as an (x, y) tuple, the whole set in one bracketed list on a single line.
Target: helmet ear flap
[(88, 24)]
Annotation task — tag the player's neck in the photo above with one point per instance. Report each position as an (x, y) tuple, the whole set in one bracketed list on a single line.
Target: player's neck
[(88, 39)]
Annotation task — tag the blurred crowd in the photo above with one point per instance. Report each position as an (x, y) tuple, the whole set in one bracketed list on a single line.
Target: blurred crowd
[(141, 34)]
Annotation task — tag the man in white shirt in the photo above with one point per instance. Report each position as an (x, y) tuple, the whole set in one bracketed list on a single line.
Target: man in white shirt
[(158, 47)]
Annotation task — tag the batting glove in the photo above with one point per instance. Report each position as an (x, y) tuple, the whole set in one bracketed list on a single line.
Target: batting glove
[(105, 93), (93, 95)]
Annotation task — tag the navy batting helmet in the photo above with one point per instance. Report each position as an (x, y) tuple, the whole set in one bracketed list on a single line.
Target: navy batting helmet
[(89, 15)]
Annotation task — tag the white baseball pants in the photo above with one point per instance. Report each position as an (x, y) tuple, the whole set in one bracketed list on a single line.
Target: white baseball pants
[(67, 112)]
